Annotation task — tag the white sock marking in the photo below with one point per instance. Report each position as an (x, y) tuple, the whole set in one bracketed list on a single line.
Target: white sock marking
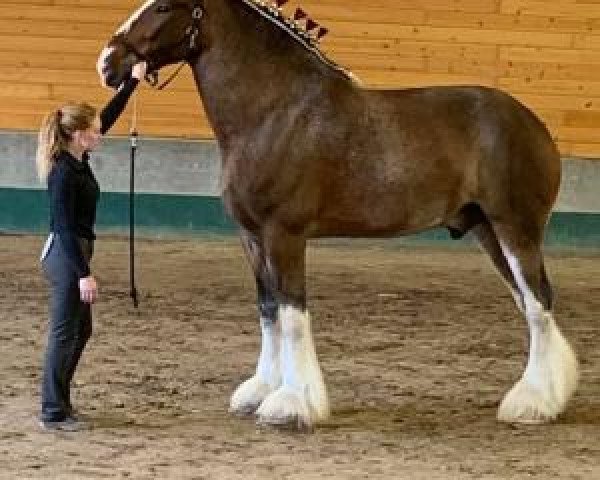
[(551, 374)]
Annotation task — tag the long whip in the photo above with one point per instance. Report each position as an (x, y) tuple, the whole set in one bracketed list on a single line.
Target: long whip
[(133, 136)]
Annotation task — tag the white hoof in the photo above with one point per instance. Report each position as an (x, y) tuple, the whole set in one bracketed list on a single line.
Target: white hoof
[(286, 407), (248, 396)]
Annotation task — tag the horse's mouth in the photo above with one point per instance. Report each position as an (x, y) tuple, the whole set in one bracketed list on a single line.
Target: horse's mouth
[(113, 80)]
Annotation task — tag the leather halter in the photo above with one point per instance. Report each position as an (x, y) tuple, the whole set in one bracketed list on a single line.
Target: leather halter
[(189, 38)]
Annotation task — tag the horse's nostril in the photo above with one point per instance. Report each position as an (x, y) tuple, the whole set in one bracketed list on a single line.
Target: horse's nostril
[(106, 69)]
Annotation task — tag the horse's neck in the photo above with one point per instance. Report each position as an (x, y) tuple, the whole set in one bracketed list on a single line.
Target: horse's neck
[(244, 81)]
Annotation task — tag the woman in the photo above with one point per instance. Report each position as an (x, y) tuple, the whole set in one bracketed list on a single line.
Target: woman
[(65, 139)]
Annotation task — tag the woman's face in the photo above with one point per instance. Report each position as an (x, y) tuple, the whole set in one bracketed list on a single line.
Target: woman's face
[(90, 137)]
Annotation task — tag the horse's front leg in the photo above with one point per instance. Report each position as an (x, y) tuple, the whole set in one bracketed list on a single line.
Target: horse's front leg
[(301, 399), (267, 378)]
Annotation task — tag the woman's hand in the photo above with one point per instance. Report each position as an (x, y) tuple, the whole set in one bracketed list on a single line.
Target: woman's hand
[(88, 289), (139, 70)]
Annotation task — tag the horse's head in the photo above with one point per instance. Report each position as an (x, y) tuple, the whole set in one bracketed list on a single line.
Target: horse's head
[(161, 32)]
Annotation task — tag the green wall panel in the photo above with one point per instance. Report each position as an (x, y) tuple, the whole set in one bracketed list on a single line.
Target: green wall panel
[(26, 211)]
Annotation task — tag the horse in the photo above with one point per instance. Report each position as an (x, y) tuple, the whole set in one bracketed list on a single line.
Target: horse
[(308, 152)]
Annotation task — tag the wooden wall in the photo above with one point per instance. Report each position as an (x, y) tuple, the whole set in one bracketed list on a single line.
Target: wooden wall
[(545, 52)]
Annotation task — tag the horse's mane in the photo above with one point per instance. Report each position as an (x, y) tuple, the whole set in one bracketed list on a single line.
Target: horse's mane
[(275, 16)]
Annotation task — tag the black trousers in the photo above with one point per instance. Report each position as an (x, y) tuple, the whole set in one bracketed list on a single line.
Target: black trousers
[(69, 329)]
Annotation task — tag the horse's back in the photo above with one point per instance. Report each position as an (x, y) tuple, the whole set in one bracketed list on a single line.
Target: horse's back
[(486, 111), (481, 131), (417, 156)]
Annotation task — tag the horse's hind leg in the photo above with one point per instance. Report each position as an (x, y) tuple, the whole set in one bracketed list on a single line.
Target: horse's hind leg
[(489, 243), (267, 378), (551, 374)]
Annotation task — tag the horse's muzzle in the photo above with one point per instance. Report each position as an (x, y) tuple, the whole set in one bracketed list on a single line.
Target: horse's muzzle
[(114, 66)]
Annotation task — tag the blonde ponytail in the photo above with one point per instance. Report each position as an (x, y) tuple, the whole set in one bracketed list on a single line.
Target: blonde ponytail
[(56, 132), (49, 143)]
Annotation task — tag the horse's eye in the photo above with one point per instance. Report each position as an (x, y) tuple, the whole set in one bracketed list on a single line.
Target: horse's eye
[(163, 9)]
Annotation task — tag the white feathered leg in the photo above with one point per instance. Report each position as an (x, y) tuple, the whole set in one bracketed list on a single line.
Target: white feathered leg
[(551, 375), (250, 394), (301, 400)]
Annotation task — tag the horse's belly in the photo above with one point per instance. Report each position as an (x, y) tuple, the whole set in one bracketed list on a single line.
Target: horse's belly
[(379, 220)]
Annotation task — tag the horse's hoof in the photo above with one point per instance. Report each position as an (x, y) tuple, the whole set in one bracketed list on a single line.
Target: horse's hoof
[(548, 382), (291, 422), (285, 408), (245, 411), (524, 405), (248, 396)]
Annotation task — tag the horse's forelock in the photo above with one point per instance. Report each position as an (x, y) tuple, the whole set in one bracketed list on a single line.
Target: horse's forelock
[(123, 29)]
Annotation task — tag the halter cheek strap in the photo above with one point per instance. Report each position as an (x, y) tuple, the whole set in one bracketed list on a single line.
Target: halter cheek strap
[(194, 29), (191, 33)]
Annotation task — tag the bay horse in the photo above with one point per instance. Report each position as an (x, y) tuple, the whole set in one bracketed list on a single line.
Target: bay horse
[(307, 152)]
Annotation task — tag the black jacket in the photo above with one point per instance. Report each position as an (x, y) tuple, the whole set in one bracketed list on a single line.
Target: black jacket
[(73, 190)]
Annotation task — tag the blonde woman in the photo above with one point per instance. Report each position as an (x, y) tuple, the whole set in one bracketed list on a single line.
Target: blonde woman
[(65, 139)]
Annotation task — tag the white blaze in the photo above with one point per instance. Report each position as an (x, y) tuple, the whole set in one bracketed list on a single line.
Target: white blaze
[(127, 25), (123, 29), (104, 54)]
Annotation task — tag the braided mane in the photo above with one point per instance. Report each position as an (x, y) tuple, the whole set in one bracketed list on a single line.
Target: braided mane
[(274, 14)]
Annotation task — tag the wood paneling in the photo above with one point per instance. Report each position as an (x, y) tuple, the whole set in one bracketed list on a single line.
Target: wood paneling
[(546, 53)]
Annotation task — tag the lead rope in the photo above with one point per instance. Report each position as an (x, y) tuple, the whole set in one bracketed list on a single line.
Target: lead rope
[(152, 78), (133, 135)]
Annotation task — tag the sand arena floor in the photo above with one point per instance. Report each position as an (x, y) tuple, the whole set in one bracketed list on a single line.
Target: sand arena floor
[(417, 346)]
